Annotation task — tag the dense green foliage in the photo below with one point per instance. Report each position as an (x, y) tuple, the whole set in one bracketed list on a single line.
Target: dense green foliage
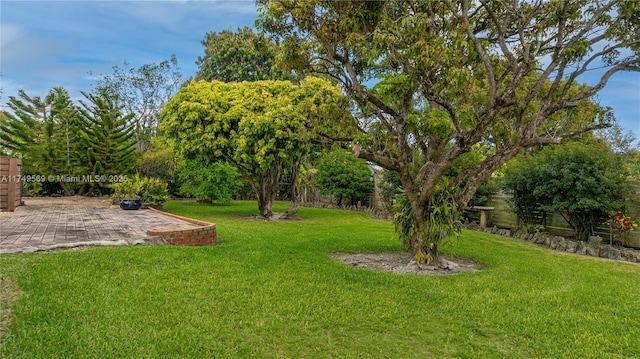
[(270, 290), (218, 181), (263, 128), (343, 175), (44, 131), (109, 136), (583, 182), (432, 79), (58, 139), (239, 56), (159, 161), (146, 189)]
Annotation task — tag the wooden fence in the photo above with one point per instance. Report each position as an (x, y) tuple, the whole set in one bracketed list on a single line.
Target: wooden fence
[(502, 216), (10, 183)]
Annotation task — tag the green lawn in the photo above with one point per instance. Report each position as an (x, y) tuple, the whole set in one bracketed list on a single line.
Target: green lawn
[(269, 290)]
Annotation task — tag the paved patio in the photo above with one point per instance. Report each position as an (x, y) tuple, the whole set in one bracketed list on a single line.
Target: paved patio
[(49, 223)]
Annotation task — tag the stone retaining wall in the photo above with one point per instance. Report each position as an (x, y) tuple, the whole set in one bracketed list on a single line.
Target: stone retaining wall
[(594, 247), (203, 236)]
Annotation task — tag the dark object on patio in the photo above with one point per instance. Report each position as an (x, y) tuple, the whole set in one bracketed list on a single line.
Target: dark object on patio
[(130, 204)]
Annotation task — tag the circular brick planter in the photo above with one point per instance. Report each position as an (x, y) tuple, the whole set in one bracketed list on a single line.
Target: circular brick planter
[(205, 235)]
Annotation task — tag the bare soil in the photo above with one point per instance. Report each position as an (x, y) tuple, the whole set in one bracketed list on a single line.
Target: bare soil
[(262, 219), (403, 263)]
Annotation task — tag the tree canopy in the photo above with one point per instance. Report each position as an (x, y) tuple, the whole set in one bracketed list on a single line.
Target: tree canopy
[(263, 128), (434, 78), (582, 182), (343, 175), (142, 92), (59, 139), (239, 56), (109, 136)]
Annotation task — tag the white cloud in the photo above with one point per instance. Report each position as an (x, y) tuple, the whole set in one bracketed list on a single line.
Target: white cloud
[(57, 43), (10, 34), (22, 50)]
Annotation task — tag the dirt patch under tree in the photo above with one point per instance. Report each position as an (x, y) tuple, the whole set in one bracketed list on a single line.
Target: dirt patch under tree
[(403, 263)]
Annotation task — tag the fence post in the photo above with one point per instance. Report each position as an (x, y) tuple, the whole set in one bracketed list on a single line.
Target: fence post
[(14, 178)]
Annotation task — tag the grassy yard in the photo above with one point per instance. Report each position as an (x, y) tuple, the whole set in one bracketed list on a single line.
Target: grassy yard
[(269, 290)]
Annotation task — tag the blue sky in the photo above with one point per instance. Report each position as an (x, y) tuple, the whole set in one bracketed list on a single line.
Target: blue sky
[(57, 43)]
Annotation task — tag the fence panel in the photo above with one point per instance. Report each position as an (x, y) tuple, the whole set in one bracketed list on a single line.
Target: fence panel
[(502, 216), (10, 183)]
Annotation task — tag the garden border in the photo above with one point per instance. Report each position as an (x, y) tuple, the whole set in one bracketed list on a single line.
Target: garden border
[(204, 236), (594, 247)]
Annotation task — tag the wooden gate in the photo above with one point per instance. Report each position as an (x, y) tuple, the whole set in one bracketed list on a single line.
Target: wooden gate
[(10, 183)]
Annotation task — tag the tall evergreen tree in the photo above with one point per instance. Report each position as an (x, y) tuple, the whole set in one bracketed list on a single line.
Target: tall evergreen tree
[(41, 130), (108, 136), (23, 123)]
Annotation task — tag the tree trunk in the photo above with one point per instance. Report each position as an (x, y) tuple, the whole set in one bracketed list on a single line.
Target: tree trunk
[(265, 206), (295, 206), (265, 189), (428, 254), (66, 190), (82, 189), (296, 198), (265, 192)]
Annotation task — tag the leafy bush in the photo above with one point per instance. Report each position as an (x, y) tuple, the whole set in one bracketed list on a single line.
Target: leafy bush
[(582, 182), (32, 188), (343, 175), (533, 228), (147, 189), (158, 162), (215, 182)]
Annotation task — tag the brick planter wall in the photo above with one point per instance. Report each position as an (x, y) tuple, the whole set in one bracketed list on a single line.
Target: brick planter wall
[(203, 236)]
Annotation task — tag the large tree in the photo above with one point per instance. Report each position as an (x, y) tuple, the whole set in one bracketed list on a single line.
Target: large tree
[(43, 131), (263, 128), (239, 56), (108, 137), (434, 78), (142, 92)]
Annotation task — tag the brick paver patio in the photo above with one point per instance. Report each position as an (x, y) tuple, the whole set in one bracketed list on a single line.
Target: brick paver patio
[(44, 222)]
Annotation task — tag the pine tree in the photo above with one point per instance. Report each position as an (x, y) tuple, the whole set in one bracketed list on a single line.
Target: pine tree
[(108, 136), (41, 131), (21, 126)]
